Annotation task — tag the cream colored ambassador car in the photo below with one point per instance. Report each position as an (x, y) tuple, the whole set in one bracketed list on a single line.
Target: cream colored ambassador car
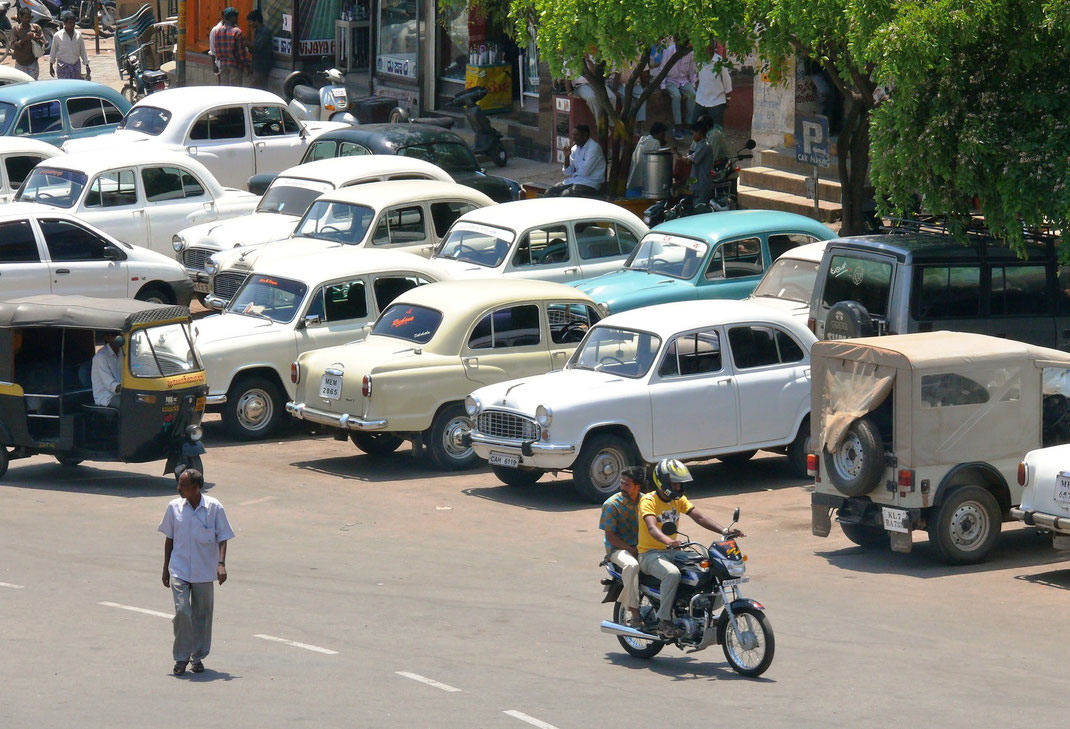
[(430, 348)]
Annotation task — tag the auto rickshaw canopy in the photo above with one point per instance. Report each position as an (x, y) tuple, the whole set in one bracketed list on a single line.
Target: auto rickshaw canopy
[(85, 312)]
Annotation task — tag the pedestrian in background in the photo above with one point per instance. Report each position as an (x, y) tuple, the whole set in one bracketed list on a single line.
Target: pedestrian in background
[(231, 53), (194, 554), (701, 160), (585, 172), (261, 48), (713, 91), (27, 43), (680, 82), (212, 35), (68, 51)]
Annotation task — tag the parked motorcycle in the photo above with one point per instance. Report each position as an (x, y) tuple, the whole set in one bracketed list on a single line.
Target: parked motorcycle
[(488, 139), (5, 31), (724, 193), (708, 607), (140, 81), (103, 11), (329, 102)]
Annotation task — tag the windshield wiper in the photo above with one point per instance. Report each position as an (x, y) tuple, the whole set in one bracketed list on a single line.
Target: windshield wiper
[(259, 314)]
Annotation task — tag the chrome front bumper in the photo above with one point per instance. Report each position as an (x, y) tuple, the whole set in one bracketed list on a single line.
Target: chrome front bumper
[(346, 422), (524, 447), (211, 400), (1057, 524)]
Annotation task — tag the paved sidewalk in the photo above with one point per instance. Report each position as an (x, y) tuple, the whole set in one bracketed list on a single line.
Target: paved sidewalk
[(105, 70)]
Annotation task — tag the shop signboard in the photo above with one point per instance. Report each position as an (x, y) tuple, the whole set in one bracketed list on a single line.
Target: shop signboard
[(395, 66)]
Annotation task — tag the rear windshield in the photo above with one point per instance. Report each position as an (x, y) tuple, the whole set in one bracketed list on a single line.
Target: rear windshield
[(864, 280), (147, 120), (52, 186), (789, 278), (415, 324)]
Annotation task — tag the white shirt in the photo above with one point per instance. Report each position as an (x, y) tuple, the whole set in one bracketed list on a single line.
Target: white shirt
[(196, 534), (713, 86), (646, 145), (68, 49), (586, 166), (107, 374), (211, 37)]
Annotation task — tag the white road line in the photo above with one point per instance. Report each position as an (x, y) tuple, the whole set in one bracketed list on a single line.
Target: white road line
[(256, 501), (131, 608), (295, 644), (428, 681), (8, 584), (529, 719)]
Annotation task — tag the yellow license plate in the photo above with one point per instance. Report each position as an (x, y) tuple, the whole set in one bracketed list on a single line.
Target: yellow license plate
[(199, 405)]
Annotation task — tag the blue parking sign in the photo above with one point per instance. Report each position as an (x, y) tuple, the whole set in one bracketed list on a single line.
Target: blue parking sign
[(812, 139)]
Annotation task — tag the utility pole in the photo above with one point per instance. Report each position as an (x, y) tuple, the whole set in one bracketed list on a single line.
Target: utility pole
[(180, 53)]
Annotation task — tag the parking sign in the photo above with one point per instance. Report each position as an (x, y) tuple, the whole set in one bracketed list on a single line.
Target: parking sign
[(812, 139)]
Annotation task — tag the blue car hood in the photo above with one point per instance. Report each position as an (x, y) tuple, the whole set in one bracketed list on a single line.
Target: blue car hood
[(628, 284)]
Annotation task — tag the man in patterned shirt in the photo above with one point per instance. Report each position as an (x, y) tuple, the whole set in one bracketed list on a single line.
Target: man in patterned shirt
[(620, 522), (230, 51)]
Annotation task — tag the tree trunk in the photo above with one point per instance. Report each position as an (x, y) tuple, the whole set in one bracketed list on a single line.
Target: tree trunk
[(853, 154)]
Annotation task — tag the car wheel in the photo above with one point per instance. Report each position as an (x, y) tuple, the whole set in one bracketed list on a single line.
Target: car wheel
[(68, 461), (865, 536), (855, 467), (254, 407), (966, 526), (154, 295), (596, 472), (3, 461), (798, 450), (445, 439), (518, 477), (375, 444), (736, 459)]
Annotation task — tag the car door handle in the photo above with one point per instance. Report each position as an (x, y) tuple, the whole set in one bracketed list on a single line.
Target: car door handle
[(138, 212), (725, 381), (571, 270), (63, 270), (471, 361), (260, 145)]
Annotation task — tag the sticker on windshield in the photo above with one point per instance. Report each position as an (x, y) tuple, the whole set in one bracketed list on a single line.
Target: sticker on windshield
[(268, 281), (692, 245), (858, 273), (500, 233)]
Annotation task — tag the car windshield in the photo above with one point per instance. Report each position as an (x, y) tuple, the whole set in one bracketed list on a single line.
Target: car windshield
[(483, 245), (617, 351), (789, 278), (146, 119), (291, 196), (668, 255), (338, 222), (416, 324), (454, 157), (268, 297), (163, 351), (7, 116), (52, 186)]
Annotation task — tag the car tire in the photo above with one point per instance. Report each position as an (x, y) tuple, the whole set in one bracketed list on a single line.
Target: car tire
[(444, 439), (855, 468), (848, 320), (736, 459), (254, 407), (865, 535), (68, 461), (3, 461), (798, 450), (155, 294), (596, 472), (518, 477), (967, 525), (376, 444)]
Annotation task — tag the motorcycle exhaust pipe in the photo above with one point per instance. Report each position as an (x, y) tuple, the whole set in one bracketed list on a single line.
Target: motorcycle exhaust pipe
[(617, 629)]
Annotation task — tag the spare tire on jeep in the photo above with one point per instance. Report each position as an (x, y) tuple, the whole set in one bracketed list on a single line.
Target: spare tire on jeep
[(856, 464), (848, 320)]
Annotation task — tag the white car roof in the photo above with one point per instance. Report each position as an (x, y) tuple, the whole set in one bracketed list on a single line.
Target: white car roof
[(522, 214), (15, 145), (385, 194), (341, 169), (192, 100), (808, 252), (665, 320), (338, 262), (112, 157)]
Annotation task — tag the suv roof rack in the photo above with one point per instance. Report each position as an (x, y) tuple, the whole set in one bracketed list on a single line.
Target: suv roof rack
[(974, 231)]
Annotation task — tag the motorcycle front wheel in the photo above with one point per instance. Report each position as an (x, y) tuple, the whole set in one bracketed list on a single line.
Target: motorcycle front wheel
[(636, 646), (749, 651)]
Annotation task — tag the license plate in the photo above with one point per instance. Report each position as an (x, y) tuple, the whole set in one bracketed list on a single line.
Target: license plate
[(198, 406), (733, 583), (1062, 488), (331, 387), (504, 459), (895, 520), (201, 288)]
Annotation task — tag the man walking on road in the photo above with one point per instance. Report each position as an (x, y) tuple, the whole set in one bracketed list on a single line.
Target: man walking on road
[(194, 554), (68, 51), (23, 37), (231, 53)]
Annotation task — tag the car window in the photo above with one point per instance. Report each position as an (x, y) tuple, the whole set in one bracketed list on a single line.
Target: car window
[(698, 353), (112, 189), (443, 214), (320, 150), (781, 243), (947, 292), (339, 222), (513, 326), (416, 324), (169, 183), (39, 119), (17, 243), (542, 247), (627, 239), (112, 115), (597, 239), (52, 186), (388, 288), (865, 280), (146, 119), (7, 115), (1019, 291), (87, 112), (736, 258), (401, 226), (352, 149), (454, 157), (18, 167), (225, 123), (68, 241), (570, 322), (344, 301), (758, 346), (269, 121)]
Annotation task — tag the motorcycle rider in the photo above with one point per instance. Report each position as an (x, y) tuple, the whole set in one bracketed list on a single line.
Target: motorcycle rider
[(658, 508), (620, 522)]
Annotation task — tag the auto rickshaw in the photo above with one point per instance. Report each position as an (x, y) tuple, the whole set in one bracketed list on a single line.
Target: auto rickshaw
[(47, 345)]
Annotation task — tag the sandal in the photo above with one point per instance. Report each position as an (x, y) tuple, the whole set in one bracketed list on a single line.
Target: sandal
[(179, 669), (198, 667)]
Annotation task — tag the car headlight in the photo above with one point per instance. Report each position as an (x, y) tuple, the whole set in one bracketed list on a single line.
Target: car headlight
[(178, 243), (194, 432), (543, 415), (210, 266), (472, 406)]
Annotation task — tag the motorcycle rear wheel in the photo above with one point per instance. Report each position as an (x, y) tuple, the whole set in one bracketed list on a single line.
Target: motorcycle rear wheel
[(751, 653), (635, 647)]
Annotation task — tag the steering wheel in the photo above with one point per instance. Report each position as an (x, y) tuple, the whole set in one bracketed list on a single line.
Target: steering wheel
[(41, 196), (273, 128), (570, 329), (657, 260), (462, 247), (330, 229)]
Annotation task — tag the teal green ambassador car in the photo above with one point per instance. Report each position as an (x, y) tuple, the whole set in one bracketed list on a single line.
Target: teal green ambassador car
[(54, 111), (713, 256)]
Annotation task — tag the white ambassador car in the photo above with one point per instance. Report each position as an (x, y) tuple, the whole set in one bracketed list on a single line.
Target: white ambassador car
[(235, 132), (412, 215), (685, 380), (286, 200), (19, 155), (788, 284), (46, 251), (140, 195), (287, 308), (549, 239), (1045, 478)]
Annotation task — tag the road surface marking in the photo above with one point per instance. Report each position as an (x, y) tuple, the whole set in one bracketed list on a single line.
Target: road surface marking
[(136, 609), (529, 719), (295, 644), (256, 501), (428, 681), (8, 584)]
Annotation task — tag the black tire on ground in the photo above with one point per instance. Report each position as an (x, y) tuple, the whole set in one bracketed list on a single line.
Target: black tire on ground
[(499, 156), (966, 525), (736, 459), (799, 449), (865, 535), (297, 78), (596, 472), (376, 444), (635, 646), (3, 461), (68, 461), (855, 468), (254, 407), (749, 663), (518, 477), (444, 439), (155, 294)]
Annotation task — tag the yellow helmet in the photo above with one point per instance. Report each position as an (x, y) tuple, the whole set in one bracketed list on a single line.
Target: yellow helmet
[(670, 471)]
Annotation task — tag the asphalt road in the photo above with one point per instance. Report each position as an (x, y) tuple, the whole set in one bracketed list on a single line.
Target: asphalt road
[(418, 599)]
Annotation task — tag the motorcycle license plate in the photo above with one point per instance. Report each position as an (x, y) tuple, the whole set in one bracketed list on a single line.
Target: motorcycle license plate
[(504, 459), (736, 581), (895, 520), (1062, 488), (331, 387)]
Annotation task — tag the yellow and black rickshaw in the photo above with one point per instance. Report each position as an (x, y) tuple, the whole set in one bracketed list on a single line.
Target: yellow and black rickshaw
[(47, 406)]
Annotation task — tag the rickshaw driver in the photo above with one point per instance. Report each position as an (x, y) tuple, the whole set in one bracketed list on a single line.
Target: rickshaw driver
[(108, 373)]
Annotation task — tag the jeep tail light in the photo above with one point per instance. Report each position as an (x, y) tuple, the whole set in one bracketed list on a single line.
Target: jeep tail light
[(295, 373), (1023, 473), (811, 324), (813, 467), (366, 386), (906, 479)]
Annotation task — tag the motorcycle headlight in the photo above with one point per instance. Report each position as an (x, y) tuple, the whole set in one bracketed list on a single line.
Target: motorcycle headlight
[(472, 406), (210, 266), (178, 243), (543, 415), (194, 432)]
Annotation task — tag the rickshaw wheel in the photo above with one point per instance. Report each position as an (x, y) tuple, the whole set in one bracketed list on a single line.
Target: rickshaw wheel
[(3, 461), (68, 461)]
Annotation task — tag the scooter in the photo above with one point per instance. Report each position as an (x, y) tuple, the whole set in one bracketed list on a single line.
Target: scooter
[(327, 103), (488, 139)]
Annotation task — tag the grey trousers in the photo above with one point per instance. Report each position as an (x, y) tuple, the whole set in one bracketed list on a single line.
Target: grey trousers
[(193, 619), (654, 563), (230, 76)]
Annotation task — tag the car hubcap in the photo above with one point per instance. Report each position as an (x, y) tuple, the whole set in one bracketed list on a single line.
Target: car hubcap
[(606, 468), (255, 409), (969, 526), (848, 457), (452, 438)]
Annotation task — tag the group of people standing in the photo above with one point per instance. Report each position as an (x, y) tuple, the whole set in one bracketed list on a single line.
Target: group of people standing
[(235, 55), (66, 56)]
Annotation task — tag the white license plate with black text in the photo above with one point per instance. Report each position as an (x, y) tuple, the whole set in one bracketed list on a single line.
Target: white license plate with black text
[(1062, 488), (895, 520), (736, 581), (504, 459), (331, 387), (201, 288)]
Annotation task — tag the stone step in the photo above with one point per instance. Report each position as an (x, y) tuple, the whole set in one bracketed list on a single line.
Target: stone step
[(784, 159), (767, 178), (752, 198)]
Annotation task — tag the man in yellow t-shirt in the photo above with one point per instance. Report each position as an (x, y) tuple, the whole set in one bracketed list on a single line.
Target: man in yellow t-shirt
[(661, 507)]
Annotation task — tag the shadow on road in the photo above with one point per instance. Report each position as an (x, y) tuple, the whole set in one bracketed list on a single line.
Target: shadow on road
[(551, 496), (208, 676), (713, 478), (216, 434), (685, 668), (109, 479), (1058, 579), (358, 466)]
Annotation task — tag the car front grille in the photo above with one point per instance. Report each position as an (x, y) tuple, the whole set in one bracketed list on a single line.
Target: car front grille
[(226, 284), (194, 258), (501, 424)]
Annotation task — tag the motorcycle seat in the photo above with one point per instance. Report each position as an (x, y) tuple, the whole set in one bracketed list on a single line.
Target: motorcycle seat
[(307, 95)]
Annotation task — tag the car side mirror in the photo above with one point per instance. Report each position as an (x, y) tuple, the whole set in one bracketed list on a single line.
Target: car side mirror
[(258, 184), (215, 303), (312, 320), (111, 253)]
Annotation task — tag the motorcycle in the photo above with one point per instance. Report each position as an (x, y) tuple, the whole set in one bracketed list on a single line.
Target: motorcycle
[(724, 192), (488, 139), (5, 31), (330, 102), (708, 607), (103, 11), (140, 82)]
